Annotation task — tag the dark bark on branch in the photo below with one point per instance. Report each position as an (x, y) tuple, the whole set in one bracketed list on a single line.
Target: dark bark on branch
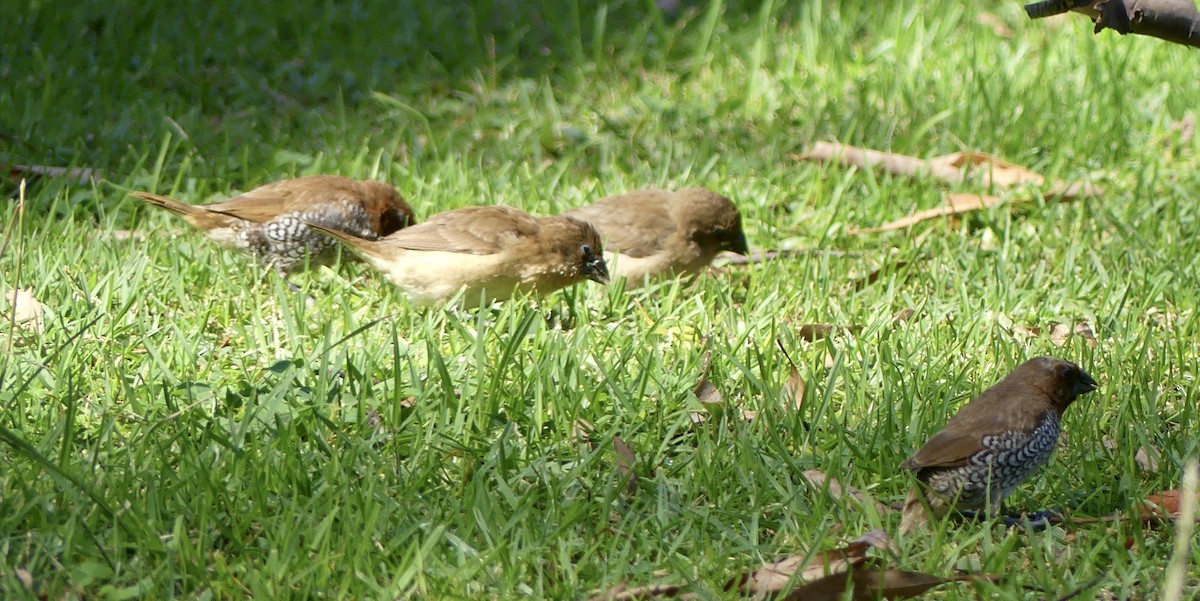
[(1176, 21)]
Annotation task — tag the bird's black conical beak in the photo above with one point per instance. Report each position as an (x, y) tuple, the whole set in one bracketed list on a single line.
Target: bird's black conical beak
[(596, 270), (739, 245), (1085, 384)]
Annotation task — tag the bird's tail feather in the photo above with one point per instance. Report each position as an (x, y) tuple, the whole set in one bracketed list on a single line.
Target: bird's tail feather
[(361, 245), (167, 203), (197, 215)]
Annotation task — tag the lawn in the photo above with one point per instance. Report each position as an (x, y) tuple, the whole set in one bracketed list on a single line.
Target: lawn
[(181, 425)]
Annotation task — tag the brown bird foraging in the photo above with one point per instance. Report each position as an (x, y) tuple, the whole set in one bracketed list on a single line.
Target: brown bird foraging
[(269, 221), (488, 252), (995, 442), (653, 233)]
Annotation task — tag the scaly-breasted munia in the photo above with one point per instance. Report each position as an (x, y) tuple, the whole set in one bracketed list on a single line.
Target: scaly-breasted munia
[(487, 252), (995, 442), (269, 221), (653, 233)]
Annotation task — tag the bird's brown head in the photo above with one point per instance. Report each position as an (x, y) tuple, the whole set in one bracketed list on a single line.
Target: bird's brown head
[(395, 213), (577, 246), (1061, 381), (713, 220)]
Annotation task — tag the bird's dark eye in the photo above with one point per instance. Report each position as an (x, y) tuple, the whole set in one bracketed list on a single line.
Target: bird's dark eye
[(586, 250)]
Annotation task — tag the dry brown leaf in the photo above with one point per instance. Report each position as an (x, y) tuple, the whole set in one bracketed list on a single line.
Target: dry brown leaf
[(988, 170), (871, 583), (776, 576), (1026, 331), (712, 400), (1178, 572), (1060, 333), (818, 480), (772, 578), (1147, 458), (951, 168), (1162, 318), (955, 168), (995, 24), (1162, 506), (879, 539), (863, 158), (1186, 128), (622, 592), (903, 315), (706, 393), (793, 390), (626, 460), (26, 310), (79, 175), (956, 203), (816, 331), (792, 393), (583, 429), (24, 577), (706, 357)]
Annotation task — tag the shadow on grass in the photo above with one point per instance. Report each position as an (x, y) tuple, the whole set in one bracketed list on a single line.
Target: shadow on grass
[(92, 82)]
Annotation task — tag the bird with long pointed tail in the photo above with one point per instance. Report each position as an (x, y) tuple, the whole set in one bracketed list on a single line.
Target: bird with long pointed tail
[(268, 222)]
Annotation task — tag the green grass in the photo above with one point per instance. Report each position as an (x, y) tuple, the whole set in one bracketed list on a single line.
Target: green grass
[(185, 427)]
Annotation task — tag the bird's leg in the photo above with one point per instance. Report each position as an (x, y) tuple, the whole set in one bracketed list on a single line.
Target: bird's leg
[(284, 274), (308, 300), (1036, 521)]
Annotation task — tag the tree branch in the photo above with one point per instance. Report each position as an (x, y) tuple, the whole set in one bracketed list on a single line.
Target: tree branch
[(1176, 21)]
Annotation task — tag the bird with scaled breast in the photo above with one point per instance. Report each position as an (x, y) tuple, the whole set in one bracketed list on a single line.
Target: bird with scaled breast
[(995, 442), (269, 221), (487, 252), (656, 233)]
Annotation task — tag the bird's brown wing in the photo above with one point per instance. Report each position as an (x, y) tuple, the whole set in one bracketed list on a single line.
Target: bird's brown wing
[(266, 202), (637, 224), (960, 438), (471, 230), (947, 448)]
